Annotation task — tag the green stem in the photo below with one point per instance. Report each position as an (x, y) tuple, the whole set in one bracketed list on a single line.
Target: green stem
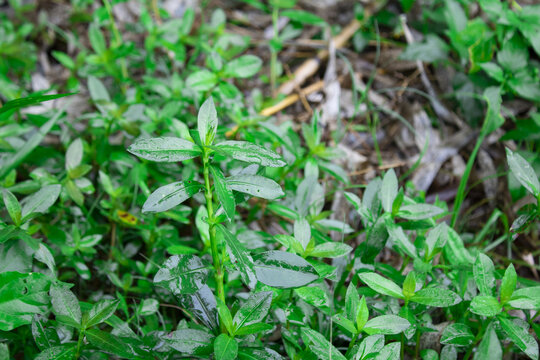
[(117, 40), (351, 344), (218, 271), (273, 52), (460, 196), (79, 344)]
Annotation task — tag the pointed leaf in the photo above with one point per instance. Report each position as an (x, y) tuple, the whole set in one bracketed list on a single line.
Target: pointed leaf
[(457, 334), (225, 347), (169, 196), (255, 185), (189, 341), (40, 201), (164, 149), (254, 309), (65, 303), (389, 190), (436, 297), (251, 153), (523, 171), (182, 274), (224, 194), (320, 346), (207, 122), (381, 285), (240, 257), (386, 325), (283, 270), (101, 311), (203, 305), (484, 274), (520, 336)]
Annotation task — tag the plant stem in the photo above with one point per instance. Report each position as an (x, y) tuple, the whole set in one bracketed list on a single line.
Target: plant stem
[(460, 196), (117, 40), (218, 271), (273, 52), (79, 344)]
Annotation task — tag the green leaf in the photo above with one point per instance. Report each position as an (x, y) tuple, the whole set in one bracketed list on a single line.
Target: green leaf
[(169, 196), (4, 352), (345, 323), (520, 336), (484, 274), (458, 335), (98, 92), (40, 201), (485, 305), (109, 343), (240, 257), (224, 194), (508, 284), (490, 346), (189, 341), (386, 325), (251, 153), (182, 274), (64, 59), (525, 174), (302, 232), (409, 285), (207, 122), (65, 303), (436, 297), (164, 149), (100, 312), (320, 346), (203, 305), (381, 285), (9, 163), (401, 241), (29, 101), (419, 211), (243, 67), (283, 270), (314, 296), (253, 310), (494, 119), (389, 190), (255, 185), (352, 302), (225, 347), (60, 352), (97, 40), (303, 17), (225, 316), (370, 346), (513, 55), (249, 353), (43, 337), (74, 154), (202, 80), (390, 352), (431, 49), (362, 316), (13, 207), (22, 296), (493, 70), (330, 250), (526, 298)]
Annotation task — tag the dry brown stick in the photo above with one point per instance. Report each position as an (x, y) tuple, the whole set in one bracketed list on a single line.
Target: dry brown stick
[(300, 92), (291, 99)]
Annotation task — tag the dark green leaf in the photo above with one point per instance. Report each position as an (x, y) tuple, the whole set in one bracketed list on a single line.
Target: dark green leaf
[(66, 304), (189, 341), (101, 311), (240, 257), (283, 270), (254, 309), (224, 194), (203, 305), (457, 334), (109, 343), (182, 274), (29, 101), (169, 196), (484, 274), (251, 153)]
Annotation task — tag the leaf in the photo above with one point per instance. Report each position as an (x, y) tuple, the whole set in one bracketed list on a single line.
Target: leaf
[(43, 337), (513, 55), (225, 347), (4, 352), (485, 305), (207, 122), (164, 149), (224, 194), (255, 185), (436, 297), (314, 296), (240, 257), (101, 311), (251, 153), (320, 346), (484, 274), (330, 250), (525, 174), (182, 274), (526, 298), (202, 304), (97, 40), (457, 334), (508, 284), (254, 329), (248, 353), (352, 301), (60, 352), (303, 17), (109, 343), (419, 211), (389, 190), (65, 303), (490, 346), (98, 92), (494, 119), (74, 154), (302, 232), (283, 270), (189, 341), (243, 67), (40, 201), (377, 236), (9, 163), (390, 352), (169, 196), (381, 285), (520, 336), (431, 49), (202, 80), (402, 242), (29, 101), (13, 207), (370, 345), (253, 310), (225, 316), (386, 325)]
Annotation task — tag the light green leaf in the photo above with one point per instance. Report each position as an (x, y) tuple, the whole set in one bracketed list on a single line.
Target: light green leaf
[(419, 211), (313, 295), (520, 336), (225, 347), (65, 303), (40, 201), (381, 285), (169, 196), (224, 194), (283, 270), (436, 297), (251, 153), (182, 274), (490, 346), (109, 343), (484, 274), (303, 17), (526, 298), (101, 311), (330, 250), (60, 352), (320, 346), (352, 301), (29, 101), (302, 232), (207, 122), (240, 257), (508, 284), (255, 185), (386, 325), (493, 119), (202, 80), (389, 190), (13, 207), (189, 341), (74, 154), (369, 346), (164, 149), (458, 335), (525, 174), (485, 305), (390, 352), (253, 310), (243, 67)]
